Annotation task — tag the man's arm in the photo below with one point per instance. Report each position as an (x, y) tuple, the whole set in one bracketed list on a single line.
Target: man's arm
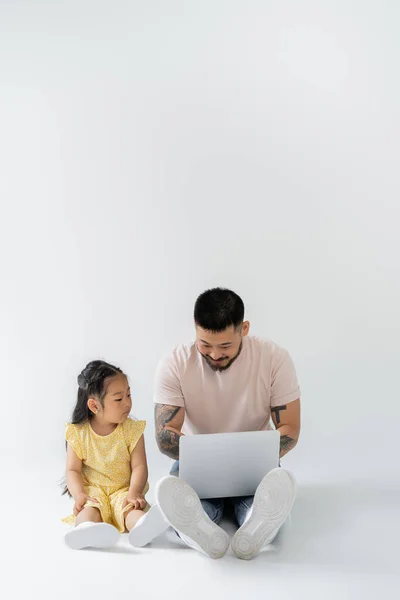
[(286, 419), (169, 421)]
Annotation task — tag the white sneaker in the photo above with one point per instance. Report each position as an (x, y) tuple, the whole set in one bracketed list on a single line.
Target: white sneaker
[(272, 504), (150, 526), (182, 508), (92, 535)]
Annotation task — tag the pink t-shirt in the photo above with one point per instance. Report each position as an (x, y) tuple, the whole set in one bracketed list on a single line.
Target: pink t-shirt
[(238, 399)]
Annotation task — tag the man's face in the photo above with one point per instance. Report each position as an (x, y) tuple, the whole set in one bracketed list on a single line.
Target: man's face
[(221, 349)]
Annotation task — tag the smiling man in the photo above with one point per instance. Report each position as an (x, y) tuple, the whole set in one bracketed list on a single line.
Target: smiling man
[(226, 381)]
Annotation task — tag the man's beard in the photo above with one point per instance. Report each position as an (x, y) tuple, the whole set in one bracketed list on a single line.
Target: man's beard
[(216, 367)]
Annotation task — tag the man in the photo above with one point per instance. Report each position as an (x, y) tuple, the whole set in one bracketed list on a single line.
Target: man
[(225, 381)]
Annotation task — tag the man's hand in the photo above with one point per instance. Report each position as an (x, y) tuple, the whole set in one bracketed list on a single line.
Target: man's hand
[(80, 501), (138, 501), (169, 421)]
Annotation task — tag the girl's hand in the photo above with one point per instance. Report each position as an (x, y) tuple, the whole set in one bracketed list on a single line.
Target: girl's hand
[(80, 501), (137, 500)]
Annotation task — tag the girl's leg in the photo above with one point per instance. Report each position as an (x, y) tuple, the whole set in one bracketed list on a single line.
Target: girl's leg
[(88, 514), (132, 517), (143, 525)]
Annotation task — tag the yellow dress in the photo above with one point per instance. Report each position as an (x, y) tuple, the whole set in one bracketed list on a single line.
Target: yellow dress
[(106, 467)]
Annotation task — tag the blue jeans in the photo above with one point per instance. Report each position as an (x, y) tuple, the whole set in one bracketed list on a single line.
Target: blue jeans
[(215, 508)]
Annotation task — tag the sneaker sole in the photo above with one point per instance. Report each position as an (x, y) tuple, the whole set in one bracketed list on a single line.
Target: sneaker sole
[(98, 535), (152, 526), (272, 504), (182, 509)]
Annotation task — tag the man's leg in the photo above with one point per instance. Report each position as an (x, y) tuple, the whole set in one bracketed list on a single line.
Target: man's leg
[(214, 508), (272, 504), (193, 520), (241, 508), (175, 469)]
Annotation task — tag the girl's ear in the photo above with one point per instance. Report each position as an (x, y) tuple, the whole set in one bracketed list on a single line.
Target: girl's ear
[(93, 405)]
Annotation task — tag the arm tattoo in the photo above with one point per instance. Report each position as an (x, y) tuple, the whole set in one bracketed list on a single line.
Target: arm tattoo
[(277, 409), (167, 440), (287, 443), (164, 414), (168, 443)]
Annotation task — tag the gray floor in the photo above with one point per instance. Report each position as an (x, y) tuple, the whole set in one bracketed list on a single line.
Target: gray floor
[(342, 540)]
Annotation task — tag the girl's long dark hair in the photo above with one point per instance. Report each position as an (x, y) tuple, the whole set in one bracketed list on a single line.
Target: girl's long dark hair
[(91, 385), (91, 382)]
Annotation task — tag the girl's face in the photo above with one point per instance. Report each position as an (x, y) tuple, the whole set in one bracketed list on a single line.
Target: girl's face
[(117, 401)]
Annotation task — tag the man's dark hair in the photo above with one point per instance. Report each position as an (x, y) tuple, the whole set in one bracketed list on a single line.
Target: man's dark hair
[(217, 309)]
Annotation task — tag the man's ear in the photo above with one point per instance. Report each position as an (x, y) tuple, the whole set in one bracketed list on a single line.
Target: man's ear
[(245, 328)]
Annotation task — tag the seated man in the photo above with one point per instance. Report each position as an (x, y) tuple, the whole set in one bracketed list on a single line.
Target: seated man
[(225, 381)]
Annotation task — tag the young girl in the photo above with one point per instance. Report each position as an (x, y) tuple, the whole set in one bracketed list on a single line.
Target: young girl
[(106, 470)]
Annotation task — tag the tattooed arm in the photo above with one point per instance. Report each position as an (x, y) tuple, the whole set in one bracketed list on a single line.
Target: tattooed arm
[(286, 419), (169, 408), (169, 421)]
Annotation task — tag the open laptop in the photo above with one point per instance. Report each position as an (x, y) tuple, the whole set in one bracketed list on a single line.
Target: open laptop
[(223, 465)]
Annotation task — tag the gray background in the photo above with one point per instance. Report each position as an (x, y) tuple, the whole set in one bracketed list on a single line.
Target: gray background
[(150, 150)]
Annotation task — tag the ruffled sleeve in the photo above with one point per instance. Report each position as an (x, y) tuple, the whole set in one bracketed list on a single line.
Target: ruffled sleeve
[(133, 431), (72, 437)]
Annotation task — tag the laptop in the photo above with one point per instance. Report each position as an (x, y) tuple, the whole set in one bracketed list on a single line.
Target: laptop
[(226, 465)]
